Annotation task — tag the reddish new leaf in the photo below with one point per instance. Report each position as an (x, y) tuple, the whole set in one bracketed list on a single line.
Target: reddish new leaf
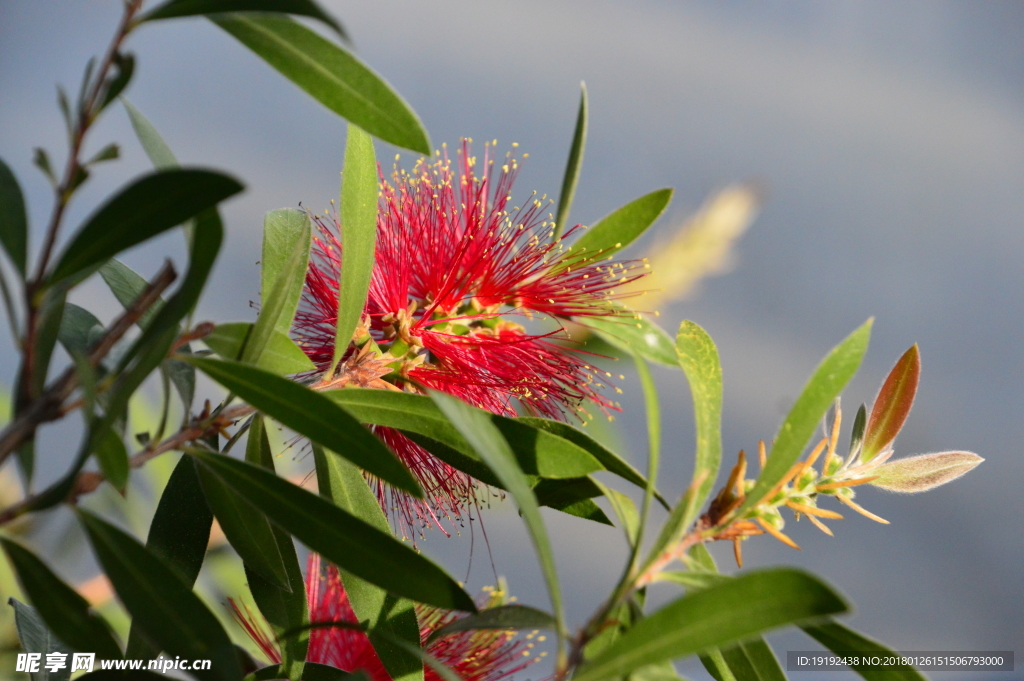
[(892, 406)]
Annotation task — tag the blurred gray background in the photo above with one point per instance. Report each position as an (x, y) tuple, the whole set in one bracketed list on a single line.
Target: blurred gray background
[(889, 136)]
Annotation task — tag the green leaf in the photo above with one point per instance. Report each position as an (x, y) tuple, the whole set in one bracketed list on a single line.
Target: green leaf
[(42, 161), (279, 301), (161, 604), (107, 153), (126, 284), (653, 410), (572, 166), (340, 537), (36, 637), (828, 380), (753, 661), (284, 609), (152, 143), (311, 414), (150, 205), (287, 235), (124, 62), (65, 612), (112, 456), (892, 405), (663, 671), (538, 451), (247, 530), (611, 461), (189, 8), (205, 247), (857, 432), (384, 615), (625, 510), (331, 75), (281, 356), (178, 537), (631, 332), (698, 357), (716, 665), (358, 236), (492, 447), (500, 617), (51, 316), (572, 496), (717, 616), (838, 638), (619, 228), (78, 330), (311, 672), (13, 219)]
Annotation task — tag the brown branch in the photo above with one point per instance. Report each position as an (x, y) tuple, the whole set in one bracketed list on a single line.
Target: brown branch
[(89, 481), (25, 390), (48, 406)]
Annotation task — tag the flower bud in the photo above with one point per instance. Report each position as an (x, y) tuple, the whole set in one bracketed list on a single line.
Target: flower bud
[(924, 472)]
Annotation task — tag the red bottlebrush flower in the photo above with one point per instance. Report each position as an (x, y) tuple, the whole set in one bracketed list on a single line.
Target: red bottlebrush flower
[(456, 271), (474, 655)]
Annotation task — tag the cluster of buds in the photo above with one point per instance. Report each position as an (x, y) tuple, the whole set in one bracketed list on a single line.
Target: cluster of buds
[(868, 462)]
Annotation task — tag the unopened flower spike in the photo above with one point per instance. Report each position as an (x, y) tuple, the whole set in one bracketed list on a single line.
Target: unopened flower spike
[(456, 273), (868, 462)]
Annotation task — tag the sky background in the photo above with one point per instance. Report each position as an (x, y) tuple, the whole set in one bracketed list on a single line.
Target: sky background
[(889, 137)]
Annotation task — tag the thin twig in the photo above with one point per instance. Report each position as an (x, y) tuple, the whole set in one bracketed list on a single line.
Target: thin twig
[(89, 481), (47, 407), (87, 112)]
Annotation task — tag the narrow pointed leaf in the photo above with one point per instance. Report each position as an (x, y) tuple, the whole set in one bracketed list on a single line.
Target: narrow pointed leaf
[(572, 166), (698, 357), (78, 329), (631, 332), (285, 231), (178, 537), (340, 537), (572, 496), (112, 456), (358, 235), (247, 530), (828, 380), (500, 617), (840, 639), (152, 143), (311, 414), (611, 461), (892, 405), (151, 205), (36, 637), (539, 451), (13, 219), (924, 472), (281, 355), (161, 604), (717, 616), (753, 661), (857, 432), (126, 284), (492, 447), (331, 75), (284, 609), (621, 227), (384, 615), (280, 297), (188, 8), (66, 613)]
